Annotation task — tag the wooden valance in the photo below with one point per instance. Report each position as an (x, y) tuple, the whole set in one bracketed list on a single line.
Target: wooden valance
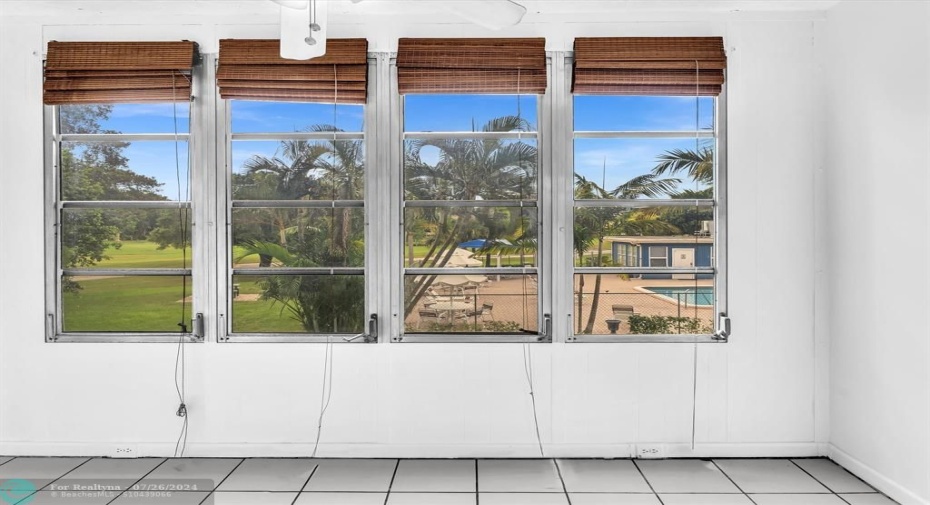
[(254, 70), (504, 66), (117, 72), (649, 66)]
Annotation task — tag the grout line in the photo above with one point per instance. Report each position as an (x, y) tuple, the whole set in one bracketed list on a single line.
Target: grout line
[(733, 481), (562, 480), (301, 490), (220, 483), (138, 480), (27, 499), (641, 474), (7, 461), (391, 485), (477, 498), (818, 480)]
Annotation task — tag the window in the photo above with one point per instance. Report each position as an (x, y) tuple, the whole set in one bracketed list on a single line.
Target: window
[(470, 189), (296, 187), (120, 186), (658, 256), (647, 181), (297, 218)]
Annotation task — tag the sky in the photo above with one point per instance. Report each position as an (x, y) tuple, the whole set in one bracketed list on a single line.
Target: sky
[(611, 161)]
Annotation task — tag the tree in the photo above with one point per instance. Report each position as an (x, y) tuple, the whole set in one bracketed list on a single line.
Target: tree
[(467, 169), (98, 171), (594, 224), (307, 237), (697, 163)]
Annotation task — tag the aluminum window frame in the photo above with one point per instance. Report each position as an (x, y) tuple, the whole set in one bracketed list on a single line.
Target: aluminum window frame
[(541, 269), (226, 205), (719, 204), (54, 207)]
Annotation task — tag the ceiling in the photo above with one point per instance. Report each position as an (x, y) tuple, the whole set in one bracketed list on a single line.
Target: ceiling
[(417, 8)]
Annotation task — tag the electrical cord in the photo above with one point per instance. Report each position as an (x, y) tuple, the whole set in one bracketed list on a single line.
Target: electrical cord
[(180, 361)]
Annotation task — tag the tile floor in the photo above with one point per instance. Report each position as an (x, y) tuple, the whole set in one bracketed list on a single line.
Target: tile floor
[(262, 481)]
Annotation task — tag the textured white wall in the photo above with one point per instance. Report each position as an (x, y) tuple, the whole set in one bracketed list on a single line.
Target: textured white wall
[(756, 395), (878, 225)]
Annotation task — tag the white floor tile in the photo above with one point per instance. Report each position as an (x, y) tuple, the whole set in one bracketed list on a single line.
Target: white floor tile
[(613, 499), (833, 476), (685, 476), (432, 499), (769, 476), (602, 476), (263, 474), (868, 499), (439, 475), (341, 499), (796, 499), (183, 471), (53, 498), (358, 475), (705, 499), (110, 472), (38, 471), (251, 498), (188, 498), (518, 475), (4, 459), (522, 499)]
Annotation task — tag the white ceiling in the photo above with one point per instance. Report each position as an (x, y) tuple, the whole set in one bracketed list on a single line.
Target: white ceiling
[(418, 8)]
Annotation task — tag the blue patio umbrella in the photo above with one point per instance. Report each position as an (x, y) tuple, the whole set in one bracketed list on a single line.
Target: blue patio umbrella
[(476, 243)]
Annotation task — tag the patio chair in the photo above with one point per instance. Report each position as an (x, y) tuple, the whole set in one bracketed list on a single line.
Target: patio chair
[(488, 308), (428, 316)]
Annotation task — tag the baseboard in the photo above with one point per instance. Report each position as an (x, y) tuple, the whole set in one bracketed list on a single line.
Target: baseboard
[(879, 481), (284, 450)]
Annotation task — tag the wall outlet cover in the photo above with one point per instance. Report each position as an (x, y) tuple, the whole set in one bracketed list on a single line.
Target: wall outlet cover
[(124, 451), (650, 451)]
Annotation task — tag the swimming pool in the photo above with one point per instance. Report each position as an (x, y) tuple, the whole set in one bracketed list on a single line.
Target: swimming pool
[(701, 295)]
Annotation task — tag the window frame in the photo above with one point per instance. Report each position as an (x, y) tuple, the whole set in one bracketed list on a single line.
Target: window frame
[(541, 269), (718, 247), (54, 205), (224, 206)]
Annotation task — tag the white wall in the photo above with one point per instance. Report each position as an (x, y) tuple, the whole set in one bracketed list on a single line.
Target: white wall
[(876, 158), (756, 395)]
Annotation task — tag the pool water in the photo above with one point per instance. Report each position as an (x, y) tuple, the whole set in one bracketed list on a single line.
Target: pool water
[(702, 295)]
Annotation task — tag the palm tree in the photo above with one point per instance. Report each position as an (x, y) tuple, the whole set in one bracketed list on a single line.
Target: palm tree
[(467, 169), (594, 224), (697, 163), (304, 170)]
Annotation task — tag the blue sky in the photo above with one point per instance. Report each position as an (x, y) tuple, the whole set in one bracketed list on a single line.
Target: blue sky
[(623, 158)]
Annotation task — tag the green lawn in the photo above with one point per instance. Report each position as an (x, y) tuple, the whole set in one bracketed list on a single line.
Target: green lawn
[(125, 304), (143, 254)]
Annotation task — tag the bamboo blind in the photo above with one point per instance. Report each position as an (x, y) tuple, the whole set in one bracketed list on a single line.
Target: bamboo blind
[(649, 65), (254, 70), (111, 72), (471, 65)]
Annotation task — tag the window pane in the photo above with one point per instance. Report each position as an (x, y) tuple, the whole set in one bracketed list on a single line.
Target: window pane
[(643, 168), (298, 170), (470, 169), (643, 113), (642, 304), (298, 304), (457, 113), (125, 118), (462, 303), (125, 238), (125, 303), (276, 117), (140, 170), (440, 236), (269, 237)]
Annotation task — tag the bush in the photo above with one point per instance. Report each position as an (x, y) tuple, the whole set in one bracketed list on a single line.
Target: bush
[(659, 325)]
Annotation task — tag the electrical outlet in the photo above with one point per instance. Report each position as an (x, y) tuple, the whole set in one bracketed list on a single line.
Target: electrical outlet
[(123, 451), (652, 451)]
